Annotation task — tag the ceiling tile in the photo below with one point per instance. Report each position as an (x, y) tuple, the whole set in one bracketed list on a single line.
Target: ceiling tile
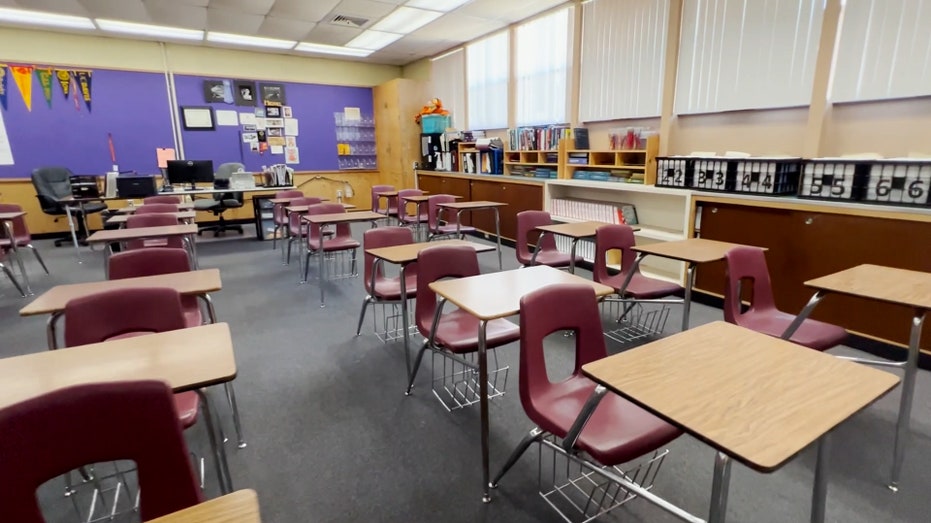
[(65, 7), (285, 28), (311, 11), (331, 34), (510, 11), (188, 16), (364, 8), (131, 10), (232, 21), (459, 27), (258, 7)]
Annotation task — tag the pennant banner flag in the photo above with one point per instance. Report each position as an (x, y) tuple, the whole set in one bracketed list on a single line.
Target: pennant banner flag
[(44, 74), (64, 80), (22, 75), (3, 84), (83, 79)]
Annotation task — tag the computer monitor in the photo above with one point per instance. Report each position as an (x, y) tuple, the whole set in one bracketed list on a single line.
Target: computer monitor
[(190, 171)]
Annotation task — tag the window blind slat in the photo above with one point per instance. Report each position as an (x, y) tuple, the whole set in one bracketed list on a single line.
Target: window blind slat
[(542, 69), (487, 76), (447, 80)]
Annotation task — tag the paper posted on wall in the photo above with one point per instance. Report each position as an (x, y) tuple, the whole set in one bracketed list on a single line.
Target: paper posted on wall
[(6, 153), (292, 155)]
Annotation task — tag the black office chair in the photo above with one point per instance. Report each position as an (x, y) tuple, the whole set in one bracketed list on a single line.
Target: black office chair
[(53, 184), (221, 201)]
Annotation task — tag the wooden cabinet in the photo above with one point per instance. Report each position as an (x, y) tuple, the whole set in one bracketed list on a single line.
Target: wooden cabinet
[(807, 243)]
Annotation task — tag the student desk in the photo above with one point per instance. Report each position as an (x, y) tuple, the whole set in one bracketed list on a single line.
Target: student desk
[(301, 209), (475, 206), (108, 237), (886, 284), (404, 255), (692, 251), (285, 201), (241, 506), (183, 206), (53, 301), (187, 359), (497, 295), (752, 397), (331, 219), (575, 231), (182, 216), (7, 219), (419, 201)]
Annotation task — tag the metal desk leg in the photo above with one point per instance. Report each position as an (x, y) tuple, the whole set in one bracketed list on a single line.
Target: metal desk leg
[(211, 312), (820, 490), (193, 246), (498, 235), (74, 234), (51, 332), (572, 247), (230, 393), (8, 225), (905, 407), (459, 224), (719, 488), (219, 453), (404, 318), (803, 315), (536, 249), (687, 300), (630, 274), (106, 260), (322, 265), (483, 400)]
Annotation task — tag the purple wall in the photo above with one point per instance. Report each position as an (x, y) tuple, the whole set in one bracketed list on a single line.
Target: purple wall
[(313, 106), (132, 106)]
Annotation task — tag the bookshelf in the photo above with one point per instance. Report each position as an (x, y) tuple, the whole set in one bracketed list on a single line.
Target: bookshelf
[(532, 163), (606, 165)]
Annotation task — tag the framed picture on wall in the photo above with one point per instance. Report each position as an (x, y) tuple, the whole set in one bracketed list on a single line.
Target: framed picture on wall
[(273, 111), (273, 94), (244, 92), (217, 92), (197, 118)]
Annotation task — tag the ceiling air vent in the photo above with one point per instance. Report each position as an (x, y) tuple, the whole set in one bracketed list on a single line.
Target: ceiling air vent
[(349, 21)]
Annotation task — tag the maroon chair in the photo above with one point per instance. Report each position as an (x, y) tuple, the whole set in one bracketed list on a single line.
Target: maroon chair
[(448, 227), (410, 219), (748, 265), (153, 220), (391, 208), (9, 273), (21, 235), (279, 215), (162, 198), (640, 287), (341, 241), (297, 228), (548, 254), (123, 420), (152, 208), (124, 313), (378, 287), (152, 262), (457, 331), (617, 431)]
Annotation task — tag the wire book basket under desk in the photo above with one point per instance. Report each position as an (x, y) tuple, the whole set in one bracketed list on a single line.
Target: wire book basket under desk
[(628, 322)]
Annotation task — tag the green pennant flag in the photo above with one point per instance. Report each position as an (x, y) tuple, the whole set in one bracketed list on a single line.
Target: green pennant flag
[(44, 75)]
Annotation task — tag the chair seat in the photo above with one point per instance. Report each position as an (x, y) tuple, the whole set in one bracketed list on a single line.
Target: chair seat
[(333, 244), (458, 332), (187, 404), (451, 229), (89, 208), (205, 204), (413, 219), (643, 287), (617, 432), (191, 309), (555, 258), (813, 334), (390, 288), (21, 240)]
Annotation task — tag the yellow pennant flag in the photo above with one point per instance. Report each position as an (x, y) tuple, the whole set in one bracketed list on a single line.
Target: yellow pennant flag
[(22, 75)]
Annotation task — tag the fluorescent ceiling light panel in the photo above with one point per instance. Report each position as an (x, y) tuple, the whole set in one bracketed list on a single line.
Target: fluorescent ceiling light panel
[(150, 31), (26, 17), (373, 40), (437, 5), (308, 47), (249, 41), (405, 20)]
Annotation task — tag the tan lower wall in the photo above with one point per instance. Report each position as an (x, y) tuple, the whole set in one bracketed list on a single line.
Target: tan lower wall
[(890, 128), (776, 131)]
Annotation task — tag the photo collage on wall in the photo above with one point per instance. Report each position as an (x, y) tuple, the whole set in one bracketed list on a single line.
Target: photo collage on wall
[(268, 125)]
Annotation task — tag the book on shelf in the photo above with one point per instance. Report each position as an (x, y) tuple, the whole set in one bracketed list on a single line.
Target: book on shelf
[(613, 213), (537, 138), (581, 138), (577, 158)]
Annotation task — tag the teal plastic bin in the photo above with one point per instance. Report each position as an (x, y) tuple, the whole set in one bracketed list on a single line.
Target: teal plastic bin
[(434, 123)]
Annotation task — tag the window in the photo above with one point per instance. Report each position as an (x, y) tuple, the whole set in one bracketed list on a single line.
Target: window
[(747, 54), (623, 58), (448, 84), (542, 68), (487, 77), (883, 50)]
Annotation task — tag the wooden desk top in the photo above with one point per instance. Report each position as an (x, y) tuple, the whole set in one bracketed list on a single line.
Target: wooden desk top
[(464, 206), (576, 229), (183, 206), (120, 235), (189, 283), (303, 208), (181, 215), (390, 194), (279, 201), (241, 506), (759, 399), (424, 197), (343, 217), (6, 216), (408, 252), (497, 294), (888, 284), (186, 359), (695, 250)]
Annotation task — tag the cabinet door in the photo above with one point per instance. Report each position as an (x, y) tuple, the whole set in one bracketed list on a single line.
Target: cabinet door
[(429, 183), (484, 220), (518, 197)]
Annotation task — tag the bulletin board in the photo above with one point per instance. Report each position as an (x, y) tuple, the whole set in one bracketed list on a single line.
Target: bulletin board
[(129, 108), (312, 105)]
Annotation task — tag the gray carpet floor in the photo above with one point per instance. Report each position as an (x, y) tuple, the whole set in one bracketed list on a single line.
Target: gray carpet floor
[(332, 438)]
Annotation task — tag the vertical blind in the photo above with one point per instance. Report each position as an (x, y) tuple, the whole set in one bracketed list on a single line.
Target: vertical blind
[(447, 80), (883, 50), (487, 76), (541, 68), (623, 57), (747, 54)]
